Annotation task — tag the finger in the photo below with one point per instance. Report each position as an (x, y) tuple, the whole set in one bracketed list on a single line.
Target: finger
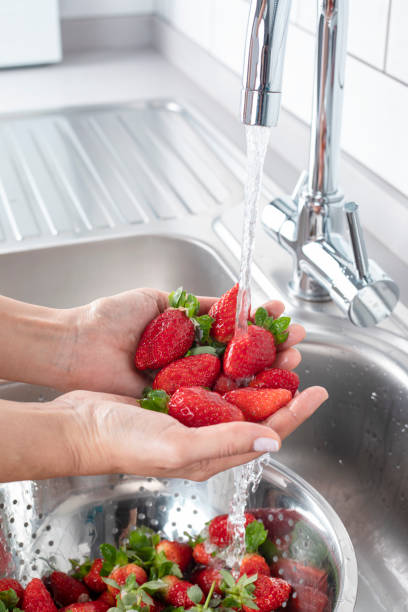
[(274, 308), (206, 303), (296, 333), (226, 440), (288, 359), (287, 419)]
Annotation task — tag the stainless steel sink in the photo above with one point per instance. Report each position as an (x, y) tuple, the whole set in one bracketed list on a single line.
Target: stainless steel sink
[(353, 450)]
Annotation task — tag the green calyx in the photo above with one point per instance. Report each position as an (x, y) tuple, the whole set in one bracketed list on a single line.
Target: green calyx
[(190, 304), (255, 536), (238, 594), (277, 327), (8, 600), (135, 597), (155, 399)]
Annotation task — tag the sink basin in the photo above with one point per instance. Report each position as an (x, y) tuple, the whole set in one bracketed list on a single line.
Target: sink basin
[(353, 450)]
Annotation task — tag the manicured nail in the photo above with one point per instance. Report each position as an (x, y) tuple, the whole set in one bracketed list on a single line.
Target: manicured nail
[(266, 445)]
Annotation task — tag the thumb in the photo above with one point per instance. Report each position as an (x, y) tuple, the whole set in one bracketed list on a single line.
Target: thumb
[(228, 440)]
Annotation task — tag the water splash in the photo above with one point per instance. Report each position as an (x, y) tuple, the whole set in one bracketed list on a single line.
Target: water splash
[(257, 142), (251, 473)]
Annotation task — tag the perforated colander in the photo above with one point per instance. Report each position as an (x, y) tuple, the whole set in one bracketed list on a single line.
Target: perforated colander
[(51, 521)]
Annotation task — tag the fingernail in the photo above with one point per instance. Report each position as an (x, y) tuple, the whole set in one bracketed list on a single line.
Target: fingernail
[(266, 445)]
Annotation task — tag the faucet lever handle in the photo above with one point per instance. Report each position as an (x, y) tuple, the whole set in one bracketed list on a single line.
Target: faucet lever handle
[(357, 239)]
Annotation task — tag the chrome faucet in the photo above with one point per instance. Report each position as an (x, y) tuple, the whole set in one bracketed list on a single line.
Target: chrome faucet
[(316, 224)]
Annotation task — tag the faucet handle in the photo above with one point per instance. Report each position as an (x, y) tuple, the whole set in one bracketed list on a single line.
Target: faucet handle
[(357, 239)]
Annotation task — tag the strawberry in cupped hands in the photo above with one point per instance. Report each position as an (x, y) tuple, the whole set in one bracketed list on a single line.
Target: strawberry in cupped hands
[(276, 378), (194, 371), (169, 336), (258, 404), (192, 406), (249, 353), (223, 312), (223, 384)]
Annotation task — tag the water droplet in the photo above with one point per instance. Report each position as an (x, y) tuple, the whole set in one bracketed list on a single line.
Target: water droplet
[(341, 461), (374, 396)]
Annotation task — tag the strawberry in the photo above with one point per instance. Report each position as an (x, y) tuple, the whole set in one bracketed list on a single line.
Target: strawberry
[(176, 593), (223, 312), (66, 589), (297, 574), (275, 378), (120, 574), (205, 577), (200, 555), (218, 529), (248, 354), (253, 563), (308, 600), (107, 598), (197, 407), (93, 578), (193, 371), (11, 592), (89, 606), (258, 404), (223, 384), (270, 593), (176, 552), (36, 598)]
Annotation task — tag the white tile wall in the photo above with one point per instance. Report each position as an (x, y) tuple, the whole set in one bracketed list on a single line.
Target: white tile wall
[(85, 8), (375, 125), (397, 60)]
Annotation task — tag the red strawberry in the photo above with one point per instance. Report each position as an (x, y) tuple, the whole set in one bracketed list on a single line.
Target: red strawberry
[(67, 590), (270, 593), (250, 353), (275, 378), (176, 552), (166, 338), (36, 598), (194, 371), (277, 521), (297, 574), (205, 577), (121, 573), (9, 583), (93, 579), (218, 529), (89, 606), (252, 563), (308, 600), (223, 312), (197, 407), (176, 592), (200, 555), (258, 404), (223, 384), (107, 598)]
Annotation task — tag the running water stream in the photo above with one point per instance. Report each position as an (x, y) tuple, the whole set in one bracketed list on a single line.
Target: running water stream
[(250, 474)]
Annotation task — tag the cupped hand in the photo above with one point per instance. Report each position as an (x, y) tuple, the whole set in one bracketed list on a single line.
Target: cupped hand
[(113, 434), (107, 331)]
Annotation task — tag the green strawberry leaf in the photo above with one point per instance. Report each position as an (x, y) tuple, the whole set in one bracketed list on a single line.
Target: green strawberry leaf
[(180, 299), (80, 570), (193, 539), (201, 350), (255, 535), (177, 296), (228, 579), (156, 400), (277, 327), (195, 594), (111, 582), (9, 598), (111, 557), (203, 326), (192, 306)]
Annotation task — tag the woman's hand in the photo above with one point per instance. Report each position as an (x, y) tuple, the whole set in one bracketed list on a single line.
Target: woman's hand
[(112, 434), (101, 352)]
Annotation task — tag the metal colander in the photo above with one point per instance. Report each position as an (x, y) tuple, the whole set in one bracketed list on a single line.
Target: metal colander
[(49, 522)]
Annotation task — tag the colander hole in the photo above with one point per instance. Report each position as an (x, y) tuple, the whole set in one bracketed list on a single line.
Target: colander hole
[(149, 503), (173, 524), (40, 516), (165, 482), (21, 544), (284, 554), (280, 572), (142, 516), (29, 506), (270, 517), (2, 506), (280, 516), (275, 558), (287, 538), (154, 522), (141, 488), (195, 512), (12, 520), (51, 543), (21, 562), (176, 495), (34, 568), (294, 595), (15, 501), (194, 497), (150, 479), (48, 528), (178, 509), (37, 552), (115, 530), (278, 541), (26, 525), (190, 526), (34, 535), (24, 577), (186, 483), (9, 536), (290, 522)]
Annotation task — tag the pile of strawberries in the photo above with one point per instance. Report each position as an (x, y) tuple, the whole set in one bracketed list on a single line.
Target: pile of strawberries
[(151, 574), (206, 373)]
